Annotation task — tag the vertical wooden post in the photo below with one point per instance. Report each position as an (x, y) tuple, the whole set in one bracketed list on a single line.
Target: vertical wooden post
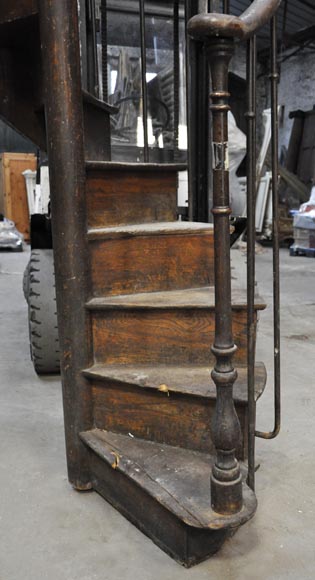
[(226, 480), (64, 120)]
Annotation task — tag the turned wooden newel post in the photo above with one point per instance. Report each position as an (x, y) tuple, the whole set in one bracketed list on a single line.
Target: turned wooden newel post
[(226, 480)]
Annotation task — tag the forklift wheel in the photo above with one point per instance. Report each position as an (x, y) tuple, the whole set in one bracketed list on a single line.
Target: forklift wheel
[(26, 282), (39, 285)]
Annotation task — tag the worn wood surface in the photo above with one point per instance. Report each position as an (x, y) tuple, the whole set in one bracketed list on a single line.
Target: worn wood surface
[(151, 258), (172, 405), (161, 335), (163, 489), (139, 168), (180, 420), (197, 298), (170, 380), (186, 544), (13, 195), (116, 197), (177, 478), (177, 228)]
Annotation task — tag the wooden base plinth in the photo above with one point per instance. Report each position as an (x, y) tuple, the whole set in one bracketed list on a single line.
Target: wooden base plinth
[(165, 492)]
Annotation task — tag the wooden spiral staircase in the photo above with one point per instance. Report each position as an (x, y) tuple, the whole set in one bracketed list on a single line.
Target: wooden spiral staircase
[(137, 317), (151, 308)]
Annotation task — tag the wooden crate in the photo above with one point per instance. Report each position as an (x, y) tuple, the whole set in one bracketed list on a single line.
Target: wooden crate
[(13, 196)]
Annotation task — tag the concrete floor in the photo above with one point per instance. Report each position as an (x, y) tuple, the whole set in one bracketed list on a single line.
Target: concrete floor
[(48, 531)]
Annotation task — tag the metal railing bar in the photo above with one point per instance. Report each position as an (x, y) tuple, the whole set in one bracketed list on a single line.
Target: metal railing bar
[(251, 238), (226, 6), (176, 75), (274, 76), (104, 49), (144, 81)]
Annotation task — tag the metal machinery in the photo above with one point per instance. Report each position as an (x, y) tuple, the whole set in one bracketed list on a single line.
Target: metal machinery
[(148, 322)]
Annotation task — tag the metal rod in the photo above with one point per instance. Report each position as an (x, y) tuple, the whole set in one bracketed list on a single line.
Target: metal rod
[(251, 237), (84, 43), (190, 105), (226, 480), (176, 75), (92, 50), (274, 77), (226, 6), (284, 21), (104, 49), (144, 81), (64, 121), (198, 126)]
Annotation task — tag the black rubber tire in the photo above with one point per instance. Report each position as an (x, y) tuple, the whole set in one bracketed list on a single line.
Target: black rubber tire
[(42, 312), (26, 282)]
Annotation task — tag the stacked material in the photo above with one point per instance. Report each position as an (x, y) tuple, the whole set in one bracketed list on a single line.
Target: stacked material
[(10, 237), (304, 228)]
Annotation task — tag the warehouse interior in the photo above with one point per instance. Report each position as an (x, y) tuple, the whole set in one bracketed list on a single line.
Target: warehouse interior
[(77, 502)]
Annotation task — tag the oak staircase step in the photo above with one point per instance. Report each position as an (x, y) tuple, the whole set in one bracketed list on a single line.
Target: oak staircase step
[(151, 257), (129, 167), (130, 193), (166, 404), (152, 229), (163, 490), (174, 327), (199, 298), (168, 380)]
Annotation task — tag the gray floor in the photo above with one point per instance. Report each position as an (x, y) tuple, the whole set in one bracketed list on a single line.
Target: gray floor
[(48, 531)]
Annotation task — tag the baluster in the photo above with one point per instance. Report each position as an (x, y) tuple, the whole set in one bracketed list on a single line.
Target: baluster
[(226, 481), (216, 32)]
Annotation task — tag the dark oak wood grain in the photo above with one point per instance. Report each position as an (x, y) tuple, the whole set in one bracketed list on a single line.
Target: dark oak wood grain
[(145, 404), (183, 421), (151, 259), (118, 197), (166, 336)]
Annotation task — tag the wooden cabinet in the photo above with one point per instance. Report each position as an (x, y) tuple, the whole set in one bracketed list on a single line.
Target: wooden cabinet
[(13, 196)]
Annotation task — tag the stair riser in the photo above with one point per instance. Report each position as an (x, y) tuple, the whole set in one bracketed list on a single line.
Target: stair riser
[(117, 197), (174, 336), (176, 419), (151, 263)]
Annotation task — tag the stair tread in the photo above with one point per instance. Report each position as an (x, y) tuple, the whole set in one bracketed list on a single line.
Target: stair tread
[(178, 479), (188, 380), (192, 298), (154, 228), (141, 167)]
